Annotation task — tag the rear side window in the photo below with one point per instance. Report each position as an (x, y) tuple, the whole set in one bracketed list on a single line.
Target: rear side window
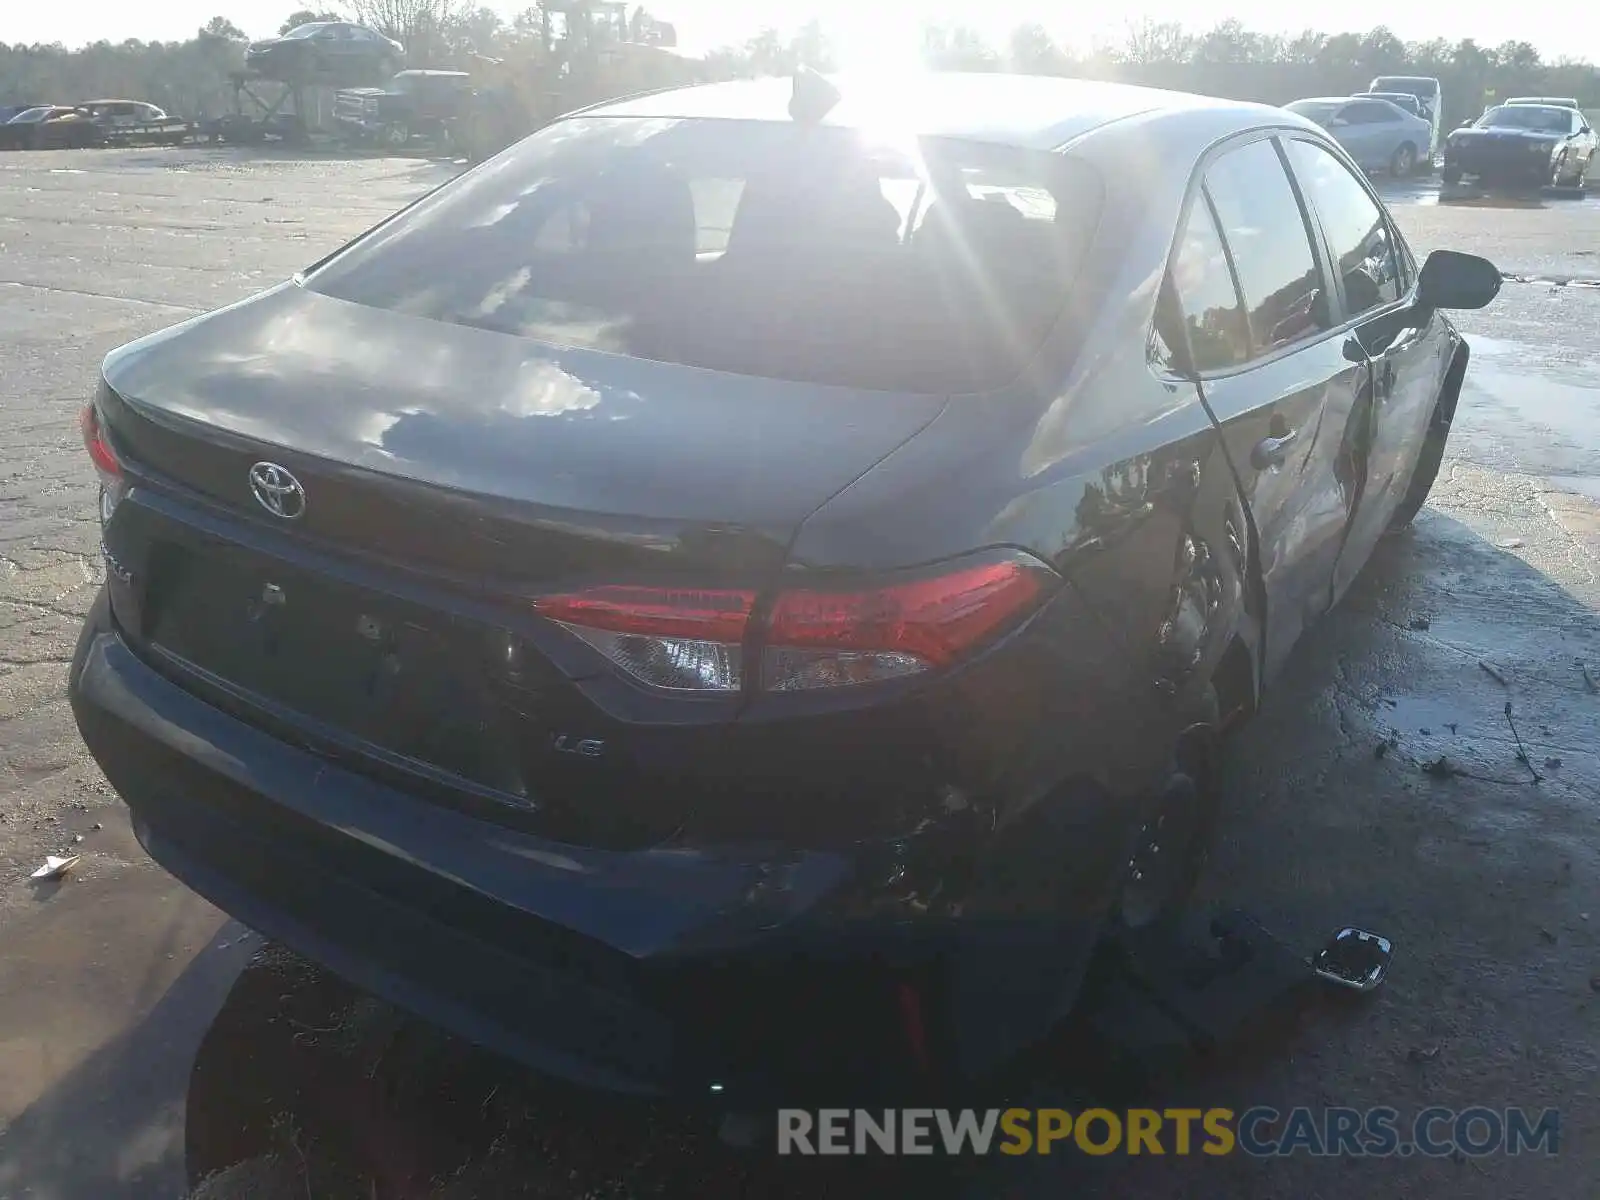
[(1266, 233), (1358, 234), (1213, 317), (758, 248)]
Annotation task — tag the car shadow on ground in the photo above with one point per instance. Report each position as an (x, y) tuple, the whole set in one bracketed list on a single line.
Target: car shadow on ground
[(301, 1086), (114, 1125)]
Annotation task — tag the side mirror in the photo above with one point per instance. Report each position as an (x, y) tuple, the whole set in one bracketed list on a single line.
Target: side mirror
[(1451, 279)]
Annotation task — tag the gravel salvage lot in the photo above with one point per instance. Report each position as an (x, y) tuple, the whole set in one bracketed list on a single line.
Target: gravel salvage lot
[(110, 980)]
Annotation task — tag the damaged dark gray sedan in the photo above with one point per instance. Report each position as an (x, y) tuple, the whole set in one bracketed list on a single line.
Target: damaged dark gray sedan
[(739, 592)]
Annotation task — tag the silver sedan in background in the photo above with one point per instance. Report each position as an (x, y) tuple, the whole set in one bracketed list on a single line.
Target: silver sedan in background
[(1379, 135)]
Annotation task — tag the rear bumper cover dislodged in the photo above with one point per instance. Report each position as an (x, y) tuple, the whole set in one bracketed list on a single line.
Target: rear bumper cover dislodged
[(659, 972)]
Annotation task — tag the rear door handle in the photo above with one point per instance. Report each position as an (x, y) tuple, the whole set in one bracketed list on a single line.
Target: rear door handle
[(1270, 452)]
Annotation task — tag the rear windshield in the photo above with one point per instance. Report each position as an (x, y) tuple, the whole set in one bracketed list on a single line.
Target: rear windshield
[(1527, 116), (759, 248)]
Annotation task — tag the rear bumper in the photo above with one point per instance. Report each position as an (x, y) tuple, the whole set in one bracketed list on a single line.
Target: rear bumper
[(660, 972)]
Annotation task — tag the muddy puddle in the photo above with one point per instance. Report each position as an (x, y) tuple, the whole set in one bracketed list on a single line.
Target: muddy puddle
[(1519, 406), (1430, 191)]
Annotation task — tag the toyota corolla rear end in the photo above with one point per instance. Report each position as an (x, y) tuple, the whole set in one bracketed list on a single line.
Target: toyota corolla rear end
[(459, 632)]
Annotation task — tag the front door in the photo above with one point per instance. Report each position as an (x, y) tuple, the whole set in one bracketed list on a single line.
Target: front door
[(1406, 346), (1284, 390)]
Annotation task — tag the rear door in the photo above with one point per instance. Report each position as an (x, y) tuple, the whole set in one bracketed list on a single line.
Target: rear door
[(1374, 276), (1284, 391)]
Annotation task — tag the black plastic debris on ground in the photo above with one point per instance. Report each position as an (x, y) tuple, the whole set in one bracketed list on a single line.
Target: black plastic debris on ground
[(1165, 1000)]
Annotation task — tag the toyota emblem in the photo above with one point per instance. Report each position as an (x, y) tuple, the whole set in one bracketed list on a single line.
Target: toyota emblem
[(277, 491)]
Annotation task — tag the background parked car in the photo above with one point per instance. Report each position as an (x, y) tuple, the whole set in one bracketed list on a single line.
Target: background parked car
[(413, 103), (1430, 95), (122, 120), (50, 127), (114, 113), (1522, 143), (1377, 134), (329, 50)]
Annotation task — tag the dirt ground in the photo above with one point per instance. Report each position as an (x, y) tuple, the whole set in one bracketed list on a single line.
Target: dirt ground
[(146, 1041)]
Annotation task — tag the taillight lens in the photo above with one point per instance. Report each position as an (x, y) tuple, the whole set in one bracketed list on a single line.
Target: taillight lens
[(694, 640), (104, 459), (819, 639), (94, 441)]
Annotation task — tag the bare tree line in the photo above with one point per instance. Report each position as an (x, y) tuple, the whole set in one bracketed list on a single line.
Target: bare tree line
[(191, 77)]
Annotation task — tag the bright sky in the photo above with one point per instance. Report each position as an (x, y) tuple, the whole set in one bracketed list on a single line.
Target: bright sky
[(1554, 29)]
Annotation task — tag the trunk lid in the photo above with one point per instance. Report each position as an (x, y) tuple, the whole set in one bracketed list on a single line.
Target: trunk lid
[(480, 452)]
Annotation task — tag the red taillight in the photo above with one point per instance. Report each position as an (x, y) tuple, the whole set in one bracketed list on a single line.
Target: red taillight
[(94, 441), (934, 619), (713, 616), (693, 640)]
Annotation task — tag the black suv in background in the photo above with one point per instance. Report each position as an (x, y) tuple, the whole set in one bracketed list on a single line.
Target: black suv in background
[(412, 104)]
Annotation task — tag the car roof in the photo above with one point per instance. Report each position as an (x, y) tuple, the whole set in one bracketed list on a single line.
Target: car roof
[(1330, 99), (1024, 111), (1544, 101)]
